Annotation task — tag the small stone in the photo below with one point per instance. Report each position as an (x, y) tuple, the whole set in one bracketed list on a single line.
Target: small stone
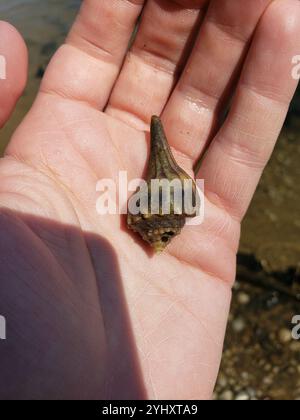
[(222, 381), (226, 395), (259, 393), (268, 367), (285, 336), (280, 157), (238, 325), (243, 298), (232, 381), (245, 376), (236, 286), (251, 392), (242, 396), (268, 380)]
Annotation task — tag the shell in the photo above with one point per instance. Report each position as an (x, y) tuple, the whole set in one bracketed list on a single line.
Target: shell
[(159, 228)]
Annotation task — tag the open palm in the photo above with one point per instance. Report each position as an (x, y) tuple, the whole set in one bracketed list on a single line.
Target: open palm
[(91, 312)]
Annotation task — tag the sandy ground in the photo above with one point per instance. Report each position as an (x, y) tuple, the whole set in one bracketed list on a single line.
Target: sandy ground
[(261, 360)]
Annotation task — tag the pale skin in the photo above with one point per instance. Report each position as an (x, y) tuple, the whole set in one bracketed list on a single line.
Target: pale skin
[(90, 312)]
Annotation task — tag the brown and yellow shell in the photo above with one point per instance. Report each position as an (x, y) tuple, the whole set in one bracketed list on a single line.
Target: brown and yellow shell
[(160, 228)]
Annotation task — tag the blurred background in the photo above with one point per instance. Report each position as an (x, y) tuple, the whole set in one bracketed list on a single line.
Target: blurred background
[(261, 360)]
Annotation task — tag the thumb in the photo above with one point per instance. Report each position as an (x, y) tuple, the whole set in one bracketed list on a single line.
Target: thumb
[(13, 69)]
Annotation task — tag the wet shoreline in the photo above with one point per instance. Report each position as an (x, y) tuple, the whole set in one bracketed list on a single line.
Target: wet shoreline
[(44, 26)]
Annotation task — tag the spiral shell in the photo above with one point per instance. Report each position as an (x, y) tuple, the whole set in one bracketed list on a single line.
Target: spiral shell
[(160, 227)]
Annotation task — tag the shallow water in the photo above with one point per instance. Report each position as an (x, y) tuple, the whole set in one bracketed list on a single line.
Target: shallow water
[(44, 25), (269, 247)]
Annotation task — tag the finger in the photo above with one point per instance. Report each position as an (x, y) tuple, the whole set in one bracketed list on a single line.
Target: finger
[(240, 151), (13, 69), (192, 111), (86, 66), (166, 33)]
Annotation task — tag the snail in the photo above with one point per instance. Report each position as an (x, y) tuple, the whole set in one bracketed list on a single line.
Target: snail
[(158, 210)]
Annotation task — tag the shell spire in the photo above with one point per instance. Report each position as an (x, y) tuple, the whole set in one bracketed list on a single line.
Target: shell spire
[(160, 211)]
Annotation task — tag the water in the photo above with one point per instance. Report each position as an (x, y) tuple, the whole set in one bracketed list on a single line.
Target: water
[(44, 25), (39, 19), (23, 8)]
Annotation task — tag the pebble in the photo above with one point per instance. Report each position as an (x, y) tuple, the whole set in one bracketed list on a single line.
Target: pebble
[(242, 396), (259, 394), (245, 375), (243, 298), (232, 381), (268, 367), (222, 381), (252, 393), (280, 157), (268, 380), (226, 395), (285, 336), (238, 325), (236, 285)]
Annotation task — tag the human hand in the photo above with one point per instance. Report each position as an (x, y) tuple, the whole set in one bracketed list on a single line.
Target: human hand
[(90, 313), (13, 69)]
